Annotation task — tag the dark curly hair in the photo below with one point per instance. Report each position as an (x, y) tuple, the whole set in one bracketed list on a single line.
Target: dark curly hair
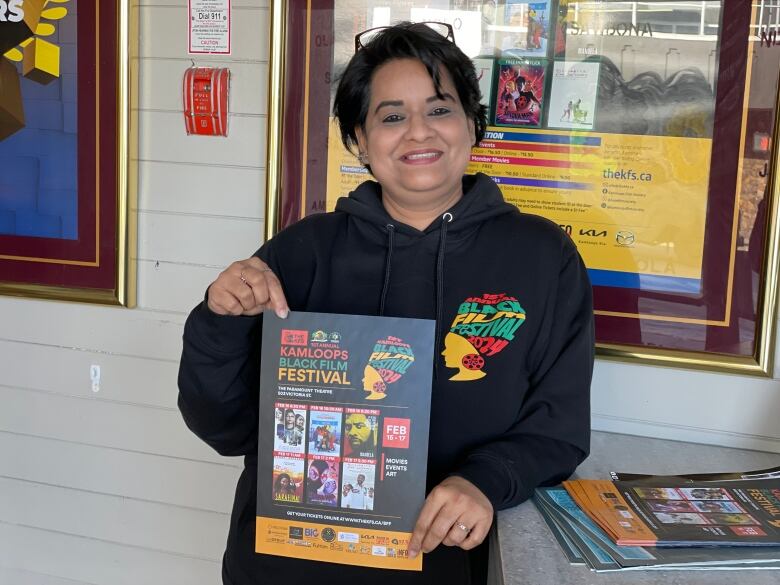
[(405, 40)]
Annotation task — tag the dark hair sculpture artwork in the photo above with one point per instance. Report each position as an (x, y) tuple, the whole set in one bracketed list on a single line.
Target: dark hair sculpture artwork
[(681, 105)]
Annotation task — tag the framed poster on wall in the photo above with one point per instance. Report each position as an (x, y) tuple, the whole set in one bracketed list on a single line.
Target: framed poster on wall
[(645, 130), (66, 137)]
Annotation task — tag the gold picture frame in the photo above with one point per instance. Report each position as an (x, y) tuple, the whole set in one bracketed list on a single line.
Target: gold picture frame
[(90, 255), (728, 324)]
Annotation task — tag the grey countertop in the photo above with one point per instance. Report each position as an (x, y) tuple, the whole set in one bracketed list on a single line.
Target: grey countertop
[(528, 554)]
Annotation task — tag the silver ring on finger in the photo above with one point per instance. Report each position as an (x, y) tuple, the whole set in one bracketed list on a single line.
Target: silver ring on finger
[(243, 278), (463, 527)]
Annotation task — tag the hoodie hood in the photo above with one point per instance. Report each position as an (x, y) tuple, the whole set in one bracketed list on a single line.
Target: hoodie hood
[(481, 200)]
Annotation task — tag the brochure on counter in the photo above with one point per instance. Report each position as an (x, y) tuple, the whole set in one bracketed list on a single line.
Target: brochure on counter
[(668, 512), (582, 540), (769, 473), (344, 414), (703, 521)]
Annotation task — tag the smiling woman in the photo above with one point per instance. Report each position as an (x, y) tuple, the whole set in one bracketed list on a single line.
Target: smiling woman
[(508, 291), (412, 119)]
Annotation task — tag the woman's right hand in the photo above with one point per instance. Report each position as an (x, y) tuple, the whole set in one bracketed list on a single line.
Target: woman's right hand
[(247, 287)]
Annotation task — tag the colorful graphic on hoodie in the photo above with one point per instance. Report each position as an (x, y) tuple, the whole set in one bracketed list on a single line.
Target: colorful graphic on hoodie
[(484, 326), (386, 364)]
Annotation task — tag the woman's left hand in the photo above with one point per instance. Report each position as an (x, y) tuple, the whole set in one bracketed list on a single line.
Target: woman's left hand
[(455, 513)]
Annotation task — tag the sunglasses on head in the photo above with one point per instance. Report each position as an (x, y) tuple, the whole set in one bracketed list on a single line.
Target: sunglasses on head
[(444, 29)]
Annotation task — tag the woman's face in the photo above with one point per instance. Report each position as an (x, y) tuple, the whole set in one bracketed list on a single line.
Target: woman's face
[(418, 145), (314, 473), (284, 483), (289, 419)]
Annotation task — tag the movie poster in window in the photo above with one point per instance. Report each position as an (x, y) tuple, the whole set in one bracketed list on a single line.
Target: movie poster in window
[(519, 95), (526, 26), (572, 101), (484, 70)]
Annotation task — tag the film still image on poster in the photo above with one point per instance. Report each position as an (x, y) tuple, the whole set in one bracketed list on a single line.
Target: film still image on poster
[(358, 484), (290, 428), (360, 433), (322, 480), (325, 430), (288, 478)]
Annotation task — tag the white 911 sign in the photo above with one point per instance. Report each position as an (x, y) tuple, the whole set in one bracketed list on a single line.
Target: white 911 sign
[(209, 27)]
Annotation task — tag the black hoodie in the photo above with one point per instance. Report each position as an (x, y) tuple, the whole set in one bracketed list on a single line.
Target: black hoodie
[(512, 413)]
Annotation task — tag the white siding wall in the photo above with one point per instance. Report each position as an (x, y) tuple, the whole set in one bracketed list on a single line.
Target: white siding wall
[(110, 488)]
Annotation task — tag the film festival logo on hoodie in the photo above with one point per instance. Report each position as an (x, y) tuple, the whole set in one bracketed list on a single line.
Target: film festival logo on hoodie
[(388, 362), (483, 327)]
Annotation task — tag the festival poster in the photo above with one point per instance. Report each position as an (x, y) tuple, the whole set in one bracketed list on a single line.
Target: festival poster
[(349, 491), (519, 99), (572, 101)]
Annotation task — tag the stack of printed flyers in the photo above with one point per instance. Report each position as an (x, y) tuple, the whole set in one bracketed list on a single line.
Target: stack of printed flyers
[(641, 522)]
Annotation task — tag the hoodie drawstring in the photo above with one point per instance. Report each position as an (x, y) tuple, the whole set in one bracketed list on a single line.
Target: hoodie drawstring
[(386, 286), (445, 219)]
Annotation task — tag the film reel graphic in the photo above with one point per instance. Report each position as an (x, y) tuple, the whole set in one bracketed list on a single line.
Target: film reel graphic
[(473, 361)]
